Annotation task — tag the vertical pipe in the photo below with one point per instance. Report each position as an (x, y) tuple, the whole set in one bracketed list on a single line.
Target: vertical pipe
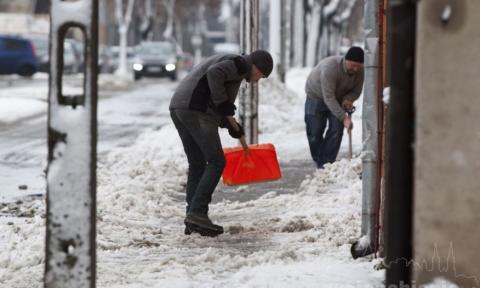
[(400, 138)]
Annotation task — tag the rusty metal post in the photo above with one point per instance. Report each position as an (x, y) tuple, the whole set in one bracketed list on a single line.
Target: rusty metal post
[(254, 29), (248, 97), (72, 137)]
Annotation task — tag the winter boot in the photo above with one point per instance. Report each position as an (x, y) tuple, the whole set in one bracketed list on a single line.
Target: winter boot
[(201, 224)]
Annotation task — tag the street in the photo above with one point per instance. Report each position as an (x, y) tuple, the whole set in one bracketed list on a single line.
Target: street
[(122, 116)]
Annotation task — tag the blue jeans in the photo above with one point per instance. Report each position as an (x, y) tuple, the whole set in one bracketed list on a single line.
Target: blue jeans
[(323, 149), (201, 142)]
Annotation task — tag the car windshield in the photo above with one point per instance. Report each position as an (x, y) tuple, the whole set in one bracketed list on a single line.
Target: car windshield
[(156, 49)]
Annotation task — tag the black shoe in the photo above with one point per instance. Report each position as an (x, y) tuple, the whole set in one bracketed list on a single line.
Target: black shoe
[(201, 224), (187, 231)]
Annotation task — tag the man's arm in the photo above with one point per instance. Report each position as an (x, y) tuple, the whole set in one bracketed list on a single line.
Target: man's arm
[(328, 90), (354, 94)]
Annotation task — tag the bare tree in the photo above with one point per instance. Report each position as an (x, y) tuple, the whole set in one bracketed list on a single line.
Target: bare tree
[(170, 9), (123, 22), (328, 22), (298, 33), (314, 32), (147, 23)]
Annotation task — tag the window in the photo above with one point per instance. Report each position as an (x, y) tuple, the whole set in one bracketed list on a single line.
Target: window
[(15, 45)]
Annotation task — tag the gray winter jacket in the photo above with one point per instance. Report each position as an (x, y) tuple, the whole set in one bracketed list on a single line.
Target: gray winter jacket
[(330, 83), (212, 83)]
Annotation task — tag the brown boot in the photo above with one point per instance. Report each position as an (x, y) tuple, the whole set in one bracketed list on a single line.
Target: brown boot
[(201, 224)]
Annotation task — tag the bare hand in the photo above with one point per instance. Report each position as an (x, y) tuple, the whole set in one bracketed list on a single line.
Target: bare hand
[(347, 105)]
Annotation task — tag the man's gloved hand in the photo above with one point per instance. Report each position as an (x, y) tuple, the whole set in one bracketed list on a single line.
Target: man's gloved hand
[(236, 133)]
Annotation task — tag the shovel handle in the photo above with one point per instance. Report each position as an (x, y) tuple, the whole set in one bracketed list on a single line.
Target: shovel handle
[(234, 124), (349, 144)]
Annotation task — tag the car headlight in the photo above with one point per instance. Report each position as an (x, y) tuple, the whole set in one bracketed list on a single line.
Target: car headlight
[(170, 67), (137, 67)]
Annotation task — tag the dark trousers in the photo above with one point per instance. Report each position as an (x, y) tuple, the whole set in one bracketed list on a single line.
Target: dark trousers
[(324, 149), (201, 142)]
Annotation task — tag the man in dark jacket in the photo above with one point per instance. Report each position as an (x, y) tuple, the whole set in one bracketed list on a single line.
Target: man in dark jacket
[(332, 87), (203, 101)]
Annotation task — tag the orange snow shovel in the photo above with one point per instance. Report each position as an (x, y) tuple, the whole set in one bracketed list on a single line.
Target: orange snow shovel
[(250, 163)]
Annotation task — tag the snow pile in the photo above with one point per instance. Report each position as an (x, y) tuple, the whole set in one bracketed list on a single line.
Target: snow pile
[(22, 257), (141, 215)]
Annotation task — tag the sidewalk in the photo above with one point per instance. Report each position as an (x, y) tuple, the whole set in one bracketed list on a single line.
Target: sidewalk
[(295, 232), (293, 174)]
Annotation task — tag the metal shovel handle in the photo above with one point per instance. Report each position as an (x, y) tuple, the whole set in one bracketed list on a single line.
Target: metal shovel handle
[(350, 152)]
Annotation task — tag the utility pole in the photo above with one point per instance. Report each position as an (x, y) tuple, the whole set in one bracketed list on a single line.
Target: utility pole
[(72, 138), (249, 18)]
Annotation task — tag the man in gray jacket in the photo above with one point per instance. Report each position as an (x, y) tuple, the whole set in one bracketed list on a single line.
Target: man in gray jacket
[(202, 102), (332, 87)]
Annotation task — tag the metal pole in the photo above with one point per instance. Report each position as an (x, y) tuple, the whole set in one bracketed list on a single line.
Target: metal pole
[(400, 138), (248, 100), (254, 28), (370, 137), (72, 137), (242, 99), (283, 41)]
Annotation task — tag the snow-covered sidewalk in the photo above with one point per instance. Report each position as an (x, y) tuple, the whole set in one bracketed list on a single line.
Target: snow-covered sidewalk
[(300, 239)]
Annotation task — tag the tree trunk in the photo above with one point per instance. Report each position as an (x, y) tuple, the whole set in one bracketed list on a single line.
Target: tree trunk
[(314, 33), (123, 21), (299, 34), (274, 35), (170, 8)]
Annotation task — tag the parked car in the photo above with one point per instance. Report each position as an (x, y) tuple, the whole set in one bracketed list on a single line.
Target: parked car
[(72, 55), (114, 52), (104, 59), (40, 44), (185, 61), (17, 56), (156, 59)]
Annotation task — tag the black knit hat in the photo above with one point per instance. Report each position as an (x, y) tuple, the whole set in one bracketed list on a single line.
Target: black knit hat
[(263, 60), (355, 54)]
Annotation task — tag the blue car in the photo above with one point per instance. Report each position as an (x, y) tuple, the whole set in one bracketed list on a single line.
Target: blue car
[(17, 56)]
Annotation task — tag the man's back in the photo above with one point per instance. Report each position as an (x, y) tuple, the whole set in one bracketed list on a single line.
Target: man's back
[(195, 84)]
